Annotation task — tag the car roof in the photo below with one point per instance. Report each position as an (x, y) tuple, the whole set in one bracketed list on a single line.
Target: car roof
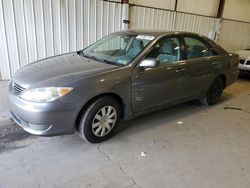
[(160, 33), (157, 33)]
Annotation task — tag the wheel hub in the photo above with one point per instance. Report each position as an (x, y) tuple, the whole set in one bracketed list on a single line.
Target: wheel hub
[(104, 121)]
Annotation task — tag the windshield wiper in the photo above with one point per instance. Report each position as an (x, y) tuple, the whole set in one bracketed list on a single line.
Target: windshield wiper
[(99, 59), (110, 62), (85, 55)]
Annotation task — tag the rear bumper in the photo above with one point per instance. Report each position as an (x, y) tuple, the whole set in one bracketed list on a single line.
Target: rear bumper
[(232, 77), (54, 118)]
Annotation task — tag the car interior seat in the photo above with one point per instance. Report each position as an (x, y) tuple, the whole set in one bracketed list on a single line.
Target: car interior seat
[(197, 51), (167, 52), (134, 50), (136, 47)]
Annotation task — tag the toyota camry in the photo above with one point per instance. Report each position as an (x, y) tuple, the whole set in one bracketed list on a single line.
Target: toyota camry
[(123, 75)]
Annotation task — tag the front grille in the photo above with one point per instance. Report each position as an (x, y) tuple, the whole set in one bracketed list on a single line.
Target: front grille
[(242, 61), (244, 71), (248, 63), (16, 89)]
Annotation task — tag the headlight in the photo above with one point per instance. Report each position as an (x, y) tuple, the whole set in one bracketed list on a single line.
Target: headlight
[(46, 94)]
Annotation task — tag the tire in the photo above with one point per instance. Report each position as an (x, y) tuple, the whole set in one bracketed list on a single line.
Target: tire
[(214, 92), (100, 120)]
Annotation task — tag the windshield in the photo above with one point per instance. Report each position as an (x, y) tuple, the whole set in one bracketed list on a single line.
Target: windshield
[(117, 48)]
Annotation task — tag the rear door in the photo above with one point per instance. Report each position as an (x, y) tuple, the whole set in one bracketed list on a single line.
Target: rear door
[(201, 65)]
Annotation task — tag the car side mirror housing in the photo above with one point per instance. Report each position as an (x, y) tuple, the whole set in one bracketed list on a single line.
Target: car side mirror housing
[(150, 63)]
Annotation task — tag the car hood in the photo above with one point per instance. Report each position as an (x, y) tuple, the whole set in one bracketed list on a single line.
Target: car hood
[(245, 54), (58, 70)]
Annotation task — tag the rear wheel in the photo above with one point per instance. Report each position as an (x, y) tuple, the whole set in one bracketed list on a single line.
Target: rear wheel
[(100, 119), (214, 93)]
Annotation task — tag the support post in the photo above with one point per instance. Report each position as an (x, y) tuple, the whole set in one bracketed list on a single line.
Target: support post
[(221, 9), (218, 21), (176, 5), (125, 14)]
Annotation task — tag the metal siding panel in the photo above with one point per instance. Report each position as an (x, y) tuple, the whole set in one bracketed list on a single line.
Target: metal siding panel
[(36, 29), (4, 54), (164, 20), (39, 26), (79, 24), (99, 20), (57, 26), (199, 20), (48, 27), (166, 4), (102, 17), (112, 13), (151, 21), (30, 29), (65, 26), (151, 18), (72, 25), (92, 21), (119, 12), (144, 16), (11, 35), (159, 21), (194, 23), (108, 18), (133, 18), (115, 23), (95, 21), (21, 32), (173, 15), (86, 23), (105, 20), (156, 18)]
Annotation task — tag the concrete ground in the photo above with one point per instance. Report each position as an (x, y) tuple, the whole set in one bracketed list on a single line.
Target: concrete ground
[(189, 146)]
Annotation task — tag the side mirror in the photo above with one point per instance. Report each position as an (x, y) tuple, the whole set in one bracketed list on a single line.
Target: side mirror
[(150, 63)]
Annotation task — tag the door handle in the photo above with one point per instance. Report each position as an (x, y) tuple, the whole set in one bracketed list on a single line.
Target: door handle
[(180, 70)]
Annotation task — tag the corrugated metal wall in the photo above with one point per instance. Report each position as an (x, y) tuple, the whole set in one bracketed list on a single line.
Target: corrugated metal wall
[(153, 18), (35, 29), (195, 23), (164, 4)]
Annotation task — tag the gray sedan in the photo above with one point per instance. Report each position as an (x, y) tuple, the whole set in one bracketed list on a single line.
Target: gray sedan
[(122, 76)]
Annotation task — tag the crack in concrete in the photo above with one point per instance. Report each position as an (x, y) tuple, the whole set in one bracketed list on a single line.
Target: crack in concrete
[(119, 166)]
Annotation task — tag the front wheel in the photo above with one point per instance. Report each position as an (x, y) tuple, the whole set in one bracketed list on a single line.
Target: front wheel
[(214, 92), (100, 119)]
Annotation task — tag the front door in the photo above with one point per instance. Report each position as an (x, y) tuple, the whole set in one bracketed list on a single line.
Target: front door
[(152, 87)]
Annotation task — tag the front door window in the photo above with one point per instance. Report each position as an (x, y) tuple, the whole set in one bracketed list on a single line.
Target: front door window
[(167, 50)]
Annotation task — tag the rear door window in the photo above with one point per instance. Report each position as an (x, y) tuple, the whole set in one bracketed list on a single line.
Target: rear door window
[(197, 48)]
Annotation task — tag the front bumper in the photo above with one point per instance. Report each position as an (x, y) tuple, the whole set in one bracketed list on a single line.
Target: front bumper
[(53, 118), (244, 66)]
